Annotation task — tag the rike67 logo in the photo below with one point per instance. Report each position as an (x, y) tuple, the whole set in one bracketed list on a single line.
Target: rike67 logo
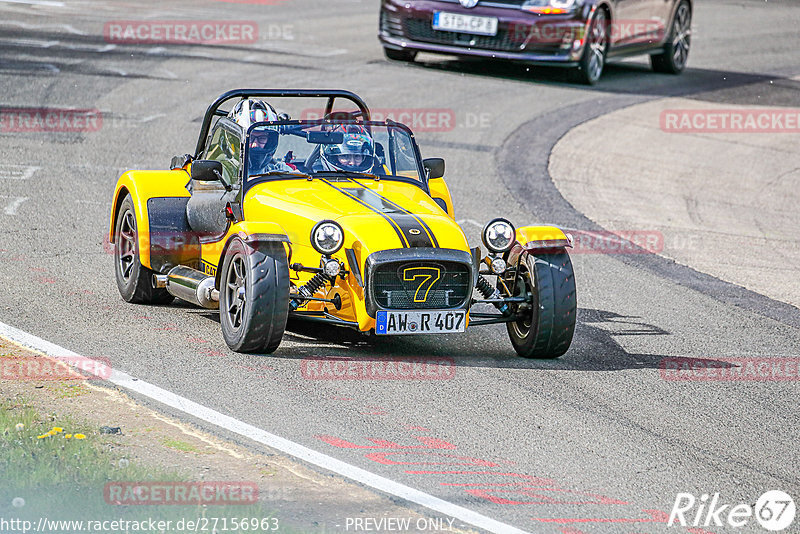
[(774, 511)]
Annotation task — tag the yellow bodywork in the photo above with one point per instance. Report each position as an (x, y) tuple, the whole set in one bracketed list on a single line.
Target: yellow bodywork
[(291, 207), (300, 204), (533, 236)]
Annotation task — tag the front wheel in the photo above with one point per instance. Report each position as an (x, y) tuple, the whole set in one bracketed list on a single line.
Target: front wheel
[(546, 322), (593, 60), (254, 296), (676, 51)]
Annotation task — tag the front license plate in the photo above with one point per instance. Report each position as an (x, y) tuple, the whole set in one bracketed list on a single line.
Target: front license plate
[(420, 322), (455, 22)]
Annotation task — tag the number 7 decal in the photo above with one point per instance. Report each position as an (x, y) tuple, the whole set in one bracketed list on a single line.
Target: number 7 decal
[(429, 276)]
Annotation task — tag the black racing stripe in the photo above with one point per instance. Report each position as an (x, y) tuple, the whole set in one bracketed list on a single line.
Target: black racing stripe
[(414, 232), (401, 209), (397, 228)]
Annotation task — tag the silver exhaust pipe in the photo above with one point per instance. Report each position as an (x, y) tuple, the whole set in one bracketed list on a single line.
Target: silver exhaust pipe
[(190, 285)]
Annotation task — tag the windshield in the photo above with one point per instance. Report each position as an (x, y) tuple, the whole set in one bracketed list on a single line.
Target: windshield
[(325, 149)]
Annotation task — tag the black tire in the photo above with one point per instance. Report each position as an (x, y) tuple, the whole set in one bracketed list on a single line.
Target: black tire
[(134, 280), (593, 60), (400, 55), (254, 296), (546, 332), (676, 50)]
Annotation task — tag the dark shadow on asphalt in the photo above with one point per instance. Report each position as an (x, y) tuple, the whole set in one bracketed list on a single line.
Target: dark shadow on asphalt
[(618, 78), (22, 58), (594, 347)]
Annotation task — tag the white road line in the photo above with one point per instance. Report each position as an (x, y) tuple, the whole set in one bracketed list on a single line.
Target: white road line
[(11, 207), (35, 2), (291, 448), (27, 26), (17, 172)]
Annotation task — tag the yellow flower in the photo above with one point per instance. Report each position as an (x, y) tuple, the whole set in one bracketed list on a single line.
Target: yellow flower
[(79, 436), (57, 429), (43, 436), (67, 436)]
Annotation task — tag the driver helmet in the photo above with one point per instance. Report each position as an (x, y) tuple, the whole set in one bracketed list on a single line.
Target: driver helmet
[(247, 112), (355, 154), (263, 140)]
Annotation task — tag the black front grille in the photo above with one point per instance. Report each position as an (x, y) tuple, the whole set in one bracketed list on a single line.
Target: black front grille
[(422, 30), (424, 284)]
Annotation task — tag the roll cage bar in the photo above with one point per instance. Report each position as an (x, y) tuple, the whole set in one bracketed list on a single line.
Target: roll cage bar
[(331, 94)]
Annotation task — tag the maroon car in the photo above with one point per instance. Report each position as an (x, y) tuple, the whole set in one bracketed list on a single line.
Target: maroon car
[(581, 34)]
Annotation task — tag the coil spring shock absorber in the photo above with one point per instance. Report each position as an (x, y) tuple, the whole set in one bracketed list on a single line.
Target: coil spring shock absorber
[(308, 289), (489, 293)]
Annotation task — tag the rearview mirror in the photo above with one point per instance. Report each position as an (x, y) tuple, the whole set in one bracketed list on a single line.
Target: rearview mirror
[(206, 170), (325, 138), (434, 166)]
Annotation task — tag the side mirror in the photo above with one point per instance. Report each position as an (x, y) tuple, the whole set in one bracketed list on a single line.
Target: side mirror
[(206, 170), (434, 166)]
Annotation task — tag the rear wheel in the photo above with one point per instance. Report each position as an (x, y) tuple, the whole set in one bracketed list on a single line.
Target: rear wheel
[(676, 51), (134, 280), (254, 296), (547, 321), (400, 55), (593, 60)]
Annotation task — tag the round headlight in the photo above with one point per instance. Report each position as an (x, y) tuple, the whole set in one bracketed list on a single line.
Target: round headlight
[(327, 237), (498, 266), (498, 235), (332, 268)]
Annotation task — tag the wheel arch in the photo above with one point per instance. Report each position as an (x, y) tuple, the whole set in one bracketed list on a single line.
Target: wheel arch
[(118, 196), (673, 11), (611, 16), (253, 233), (142, 186)]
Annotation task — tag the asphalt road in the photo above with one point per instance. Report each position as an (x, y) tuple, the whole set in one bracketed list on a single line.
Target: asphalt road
[(598, 436)]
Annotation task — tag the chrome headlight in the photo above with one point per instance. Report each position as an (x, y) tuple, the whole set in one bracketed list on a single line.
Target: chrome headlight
[(498, 265), (327, 237), (498, 235), (331, 267)]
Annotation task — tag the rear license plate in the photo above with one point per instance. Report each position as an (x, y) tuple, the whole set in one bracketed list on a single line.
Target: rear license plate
[(420, 322), (454, 22)]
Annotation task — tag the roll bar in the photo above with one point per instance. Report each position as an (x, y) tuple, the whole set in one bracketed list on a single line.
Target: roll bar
[(330, 94)]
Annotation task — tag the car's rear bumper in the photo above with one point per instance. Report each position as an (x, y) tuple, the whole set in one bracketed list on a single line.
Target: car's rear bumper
[(521, 36)]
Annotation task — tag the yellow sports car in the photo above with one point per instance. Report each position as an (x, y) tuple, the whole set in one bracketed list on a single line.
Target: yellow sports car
[(337, 220)]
